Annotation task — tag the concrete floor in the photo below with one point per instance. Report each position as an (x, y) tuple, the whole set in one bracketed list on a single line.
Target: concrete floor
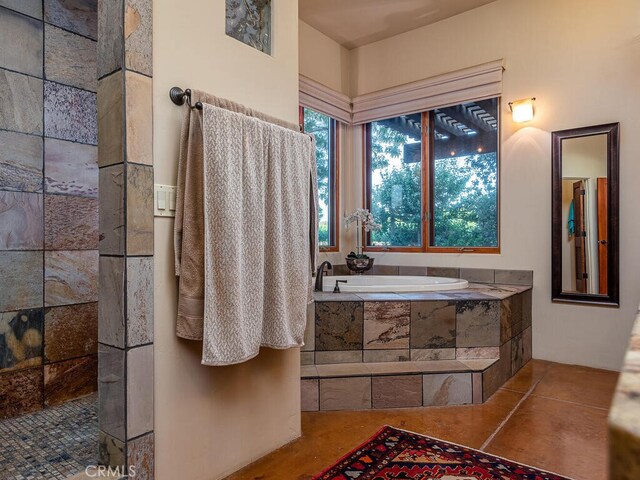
[(551, 416)]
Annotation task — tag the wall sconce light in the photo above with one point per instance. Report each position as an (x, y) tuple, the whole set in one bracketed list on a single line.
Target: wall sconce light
[(522, 110)]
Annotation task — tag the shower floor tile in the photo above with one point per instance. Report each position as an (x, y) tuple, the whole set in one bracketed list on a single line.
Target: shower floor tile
[(54, 443)]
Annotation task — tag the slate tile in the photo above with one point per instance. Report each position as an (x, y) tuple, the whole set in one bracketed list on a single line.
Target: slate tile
[(527, 308), (20, 162), (506, 319), (139, 391), (447, 389), (514, 277), (396, 391), (70, 223), (64, 381), (22, 392), (20, 221), (307, 358), (111, 200), (111, 391), (20, 339), (386, 325), (340, 356), (140, 453), (70, 113), (477, 353), (70, 59), (111, 131), (478, 323), (433, 324), (139, 111), (70, 168), (496, 375), (383, 270), (20, 43), (16, 91), (33, 8), (21, 280), (71, 331), (309, 395), (71, 277), (386, 355), (139, 212), (427, 354), (139, 300), (138, 30), (352, 393), (412, 270), (339, 325), (110, 450), (448, 272), (80, 16), (111, 292), (111, 44), (479, 275), (310, 329)]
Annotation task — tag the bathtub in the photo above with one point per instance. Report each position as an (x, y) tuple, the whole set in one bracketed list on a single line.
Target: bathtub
[(392, 283)]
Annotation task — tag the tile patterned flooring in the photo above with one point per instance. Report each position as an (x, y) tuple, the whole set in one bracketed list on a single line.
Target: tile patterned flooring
[(53, 443), (549, 415)]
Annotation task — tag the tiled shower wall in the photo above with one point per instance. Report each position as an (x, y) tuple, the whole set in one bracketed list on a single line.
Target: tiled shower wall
[(48, 203)]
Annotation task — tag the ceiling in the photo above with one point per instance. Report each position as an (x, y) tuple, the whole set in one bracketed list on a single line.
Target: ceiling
[(353, 23)]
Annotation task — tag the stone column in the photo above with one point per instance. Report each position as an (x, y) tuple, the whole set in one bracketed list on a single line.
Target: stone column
[(125, 159)]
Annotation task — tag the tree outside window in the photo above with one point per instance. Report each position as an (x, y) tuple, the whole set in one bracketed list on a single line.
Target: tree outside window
[(323, 128), (446, 191)]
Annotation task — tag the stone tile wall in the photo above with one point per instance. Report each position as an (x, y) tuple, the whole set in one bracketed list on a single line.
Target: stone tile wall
[(388, 327), (475, 275), (48, 203)]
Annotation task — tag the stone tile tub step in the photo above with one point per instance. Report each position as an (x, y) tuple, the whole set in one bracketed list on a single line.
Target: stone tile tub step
[(360, 386), (395, 368)]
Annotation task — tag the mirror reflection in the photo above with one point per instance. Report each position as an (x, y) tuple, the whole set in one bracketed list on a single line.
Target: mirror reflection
[(584, 215)]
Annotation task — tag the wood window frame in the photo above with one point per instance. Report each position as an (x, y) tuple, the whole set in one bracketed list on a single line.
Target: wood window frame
[(427, 192), (334, 176)]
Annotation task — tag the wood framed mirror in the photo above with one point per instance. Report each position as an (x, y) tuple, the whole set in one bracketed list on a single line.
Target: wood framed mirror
[(585, 212)]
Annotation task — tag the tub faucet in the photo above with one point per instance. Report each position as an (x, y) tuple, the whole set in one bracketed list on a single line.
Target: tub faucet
[(320, 274), (336, 289)]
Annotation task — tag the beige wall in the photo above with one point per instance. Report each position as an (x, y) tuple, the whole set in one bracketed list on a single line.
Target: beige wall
[(209, 421), (581, 59), (323, 59)]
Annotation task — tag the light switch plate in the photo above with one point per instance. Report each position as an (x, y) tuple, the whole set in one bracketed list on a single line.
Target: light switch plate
[(164, 200)]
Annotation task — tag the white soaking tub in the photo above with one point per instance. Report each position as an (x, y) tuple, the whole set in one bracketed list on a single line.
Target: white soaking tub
[(392, 283)]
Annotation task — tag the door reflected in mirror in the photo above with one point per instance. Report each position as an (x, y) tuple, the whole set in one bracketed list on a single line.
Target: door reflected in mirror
[(585, 210), (584, 214)]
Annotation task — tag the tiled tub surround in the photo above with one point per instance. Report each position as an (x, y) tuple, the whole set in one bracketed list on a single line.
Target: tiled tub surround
[(390, 350), (48, 203), (624, 417)]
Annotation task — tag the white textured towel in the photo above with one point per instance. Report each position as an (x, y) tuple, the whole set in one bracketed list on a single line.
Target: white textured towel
[(260, 235)]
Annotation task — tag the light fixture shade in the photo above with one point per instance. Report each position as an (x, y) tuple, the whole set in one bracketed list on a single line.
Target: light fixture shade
[(522, 110)]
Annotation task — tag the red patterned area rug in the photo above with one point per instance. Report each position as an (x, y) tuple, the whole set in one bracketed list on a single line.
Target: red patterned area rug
[(397, 454)]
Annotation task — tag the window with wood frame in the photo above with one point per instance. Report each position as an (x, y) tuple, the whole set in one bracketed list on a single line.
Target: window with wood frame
[(431, 180), (325, 130)]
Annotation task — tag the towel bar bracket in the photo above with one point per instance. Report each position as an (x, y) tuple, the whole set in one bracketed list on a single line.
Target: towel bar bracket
[(179, 97)]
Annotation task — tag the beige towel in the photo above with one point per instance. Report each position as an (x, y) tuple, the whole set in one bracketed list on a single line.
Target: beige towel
[(257, 224), (189, 221)]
